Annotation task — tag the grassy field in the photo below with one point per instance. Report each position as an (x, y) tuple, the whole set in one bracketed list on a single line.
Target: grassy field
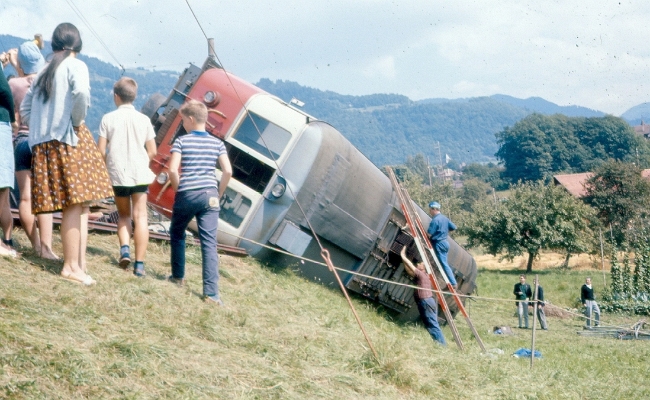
[(282, 337)]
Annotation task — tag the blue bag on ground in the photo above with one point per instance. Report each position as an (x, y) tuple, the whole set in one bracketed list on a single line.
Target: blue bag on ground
[(525, 353)]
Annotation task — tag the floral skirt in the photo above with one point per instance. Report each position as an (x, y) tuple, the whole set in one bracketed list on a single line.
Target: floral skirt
[(65, 175)]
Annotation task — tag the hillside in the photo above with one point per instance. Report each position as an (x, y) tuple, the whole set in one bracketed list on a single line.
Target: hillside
[(279, 336)]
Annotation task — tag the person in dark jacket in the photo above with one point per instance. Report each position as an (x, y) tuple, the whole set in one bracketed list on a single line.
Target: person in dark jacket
[(589, 301), (540, 307), (522, 294)]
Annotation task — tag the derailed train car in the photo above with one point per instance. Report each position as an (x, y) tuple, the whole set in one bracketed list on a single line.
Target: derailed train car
[(289, 169)]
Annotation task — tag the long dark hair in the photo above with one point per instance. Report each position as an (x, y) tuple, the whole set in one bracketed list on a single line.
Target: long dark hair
[(65, 40)]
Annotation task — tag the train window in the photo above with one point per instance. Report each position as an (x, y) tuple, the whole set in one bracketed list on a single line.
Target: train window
[(249, 170), (263, 136), (234, 207)]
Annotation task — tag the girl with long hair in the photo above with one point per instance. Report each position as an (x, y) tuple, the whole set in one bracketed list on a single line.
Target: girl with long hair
[(67, 169)]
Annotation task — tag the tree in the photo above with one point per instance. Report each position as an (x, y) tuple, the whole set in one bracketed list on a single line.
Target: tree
[(443, 193), (489, 173), (540, 146), (619, 194), (533, 218), (472, 192), (419, 166)]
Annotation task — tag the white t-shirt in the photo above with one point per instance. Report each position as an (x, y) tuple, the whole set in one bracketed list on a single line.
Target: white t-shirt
[(127, 130)]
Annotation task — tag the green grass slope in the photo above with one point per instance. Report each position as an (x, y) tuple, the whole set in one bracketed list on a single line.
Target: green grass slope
[(279, 337)]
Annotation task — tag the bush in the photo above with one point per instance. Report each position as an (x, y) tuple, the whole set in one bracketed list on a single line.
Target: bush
[(638, 304)]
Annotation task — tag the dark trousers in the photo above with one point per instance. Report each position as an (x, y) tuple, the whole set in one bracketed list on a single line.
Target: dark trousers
[(441, 249), (429, 314), (187, 205)]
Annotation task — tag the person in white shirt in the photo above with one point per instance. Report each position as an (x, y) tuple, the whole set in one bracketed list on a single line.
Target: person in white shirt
[(127, 142)]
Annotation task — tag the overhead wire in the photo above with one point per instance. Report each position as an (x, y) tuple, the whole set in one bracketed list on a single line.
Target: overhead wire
[(99, 39)]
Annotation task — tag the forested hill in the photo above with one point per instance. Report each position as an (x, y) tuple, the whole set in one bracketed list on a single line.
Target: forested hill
[(387, 128)]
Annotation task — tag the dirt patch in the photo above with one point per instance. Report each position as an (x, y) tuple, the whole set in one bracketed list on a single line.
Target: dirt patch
[(545, 261), (557, 312)]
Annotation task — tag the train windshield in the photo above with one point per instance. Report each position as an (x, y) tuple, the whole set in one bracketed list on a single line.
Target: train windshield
[(263, 136)]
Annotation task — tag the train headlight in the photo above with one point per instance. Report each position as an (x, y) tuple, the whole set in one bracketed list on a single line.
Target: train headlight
[(211, 98), (162, 178), (278, 190)]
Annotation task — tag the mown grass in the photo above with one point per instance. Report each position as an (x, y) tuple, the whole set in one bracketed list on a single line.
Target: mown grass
[(282, 337)]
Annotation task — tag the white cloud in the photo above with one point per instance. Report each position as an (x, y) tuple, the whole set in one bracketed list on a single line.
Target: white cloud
[(594, 54), (384, 68)]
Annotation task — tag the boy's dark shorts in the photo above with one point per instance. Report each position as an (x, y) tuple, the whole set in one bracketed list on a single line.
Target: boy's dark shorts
[(22, 155), (126, 191)]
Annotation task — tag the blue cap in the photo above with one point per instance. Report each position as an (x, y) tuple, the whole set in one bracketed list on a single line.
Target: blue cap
[(30, 58), (434, 204)]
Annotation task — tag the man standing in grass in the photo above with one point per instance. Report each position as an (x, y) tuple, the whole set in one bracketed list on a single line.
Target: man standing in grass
[(427, 306), (522, 293), (540, 307), (197, 195), (589, 301), (127, 142)]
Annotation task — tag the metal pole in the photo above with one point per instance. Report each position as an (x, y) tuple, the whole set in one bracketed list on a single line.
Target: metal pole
[(326, 256), (532, 346), (602, 255)]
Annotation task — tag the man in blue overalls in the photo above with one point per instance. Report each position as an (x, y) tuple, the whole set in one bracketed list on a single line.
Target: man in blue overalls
[(438, 231)]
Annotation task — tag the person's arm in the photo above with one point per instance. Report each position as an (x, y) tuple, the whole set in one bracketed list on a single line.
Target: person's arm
[(226, 173), (174, 163), (101, 145), (452, 226), (516, 290), (13, 60), (150, 146), (80, 88), (433, 227), (408, 265), (529, 292), (582, 295), (26, 106)]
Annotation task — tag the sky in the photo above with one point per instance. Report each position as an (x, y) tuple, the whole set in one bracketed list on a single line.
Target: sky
[(593, 54)]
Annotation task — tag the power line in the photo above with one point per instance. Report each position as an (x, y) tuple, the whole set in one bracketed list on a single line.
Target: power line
[(85, 21)]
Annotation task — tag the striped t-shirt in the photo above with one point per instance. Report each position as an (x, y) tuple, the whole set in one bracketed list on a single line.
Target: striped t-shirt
[(200, 152)]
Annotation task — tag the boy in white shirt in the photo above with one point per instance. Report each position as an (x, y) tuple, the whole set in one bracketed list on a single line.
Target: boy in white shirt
[(127, 141)]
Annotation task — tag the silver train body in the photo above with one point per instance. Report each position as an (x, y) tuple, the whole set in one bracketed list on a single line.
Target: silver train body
[(292, 172)]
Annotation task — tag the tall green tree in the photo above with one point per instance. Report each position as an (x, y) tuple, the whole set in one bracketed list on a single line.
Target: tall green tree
[(418, 165), (620, 194), (534, 217), (539, 146)]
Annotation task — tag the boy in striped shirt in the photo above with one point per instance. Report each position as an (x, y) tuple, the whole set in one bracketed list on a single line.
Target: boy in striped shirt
[(197, 195)]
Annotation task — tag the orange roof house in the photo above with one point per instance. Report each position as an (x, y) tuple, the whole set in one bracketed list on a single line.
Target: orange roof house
[(575, 183)]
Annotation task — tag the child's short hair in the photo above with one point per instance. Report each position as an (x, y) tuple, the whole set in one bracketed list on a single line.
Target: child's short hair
[(126, 89), (196, 109)]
